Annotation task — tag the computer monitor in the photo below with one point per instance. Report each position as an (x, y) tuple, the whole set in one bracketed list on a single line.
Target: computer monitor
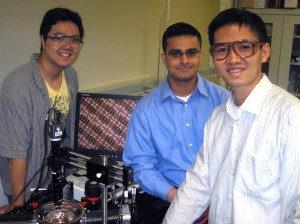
[(101, 123)]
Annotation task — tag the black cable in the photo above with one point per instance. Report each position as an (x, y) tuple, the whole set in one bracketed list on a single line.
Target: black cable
[(44, 163), (46, 145), (41, 169), (47, 121), (11, 204)]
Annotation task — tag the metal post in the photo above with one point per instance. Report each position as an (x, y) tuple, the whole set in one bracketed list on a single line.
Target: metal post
[(104, 203)]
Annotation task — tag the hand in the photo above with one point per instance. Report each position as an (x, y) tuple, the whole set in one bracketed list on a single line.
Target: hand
[(171, 194), (3, 209), (203, 219)]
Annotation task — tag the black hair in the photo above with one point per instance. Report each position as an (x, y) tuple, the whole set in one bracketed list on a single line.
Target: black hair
[(241, 17), (180, 29), (55, 15)]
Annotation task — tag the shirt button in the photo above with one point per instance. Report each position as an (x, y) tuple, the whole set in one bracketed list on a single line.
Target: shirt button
[(187, 124), (185, 105), (191, 144)]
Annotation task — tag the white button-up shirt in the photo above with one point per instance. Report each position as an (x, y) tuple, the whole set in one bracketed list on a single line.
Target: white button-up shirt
[(249, 168)]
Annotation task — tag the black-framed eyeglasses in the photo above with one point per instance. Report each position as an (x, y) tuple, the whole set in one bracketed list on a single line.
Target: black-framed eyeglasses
[(60, 39), (242, 48), (178, 53)]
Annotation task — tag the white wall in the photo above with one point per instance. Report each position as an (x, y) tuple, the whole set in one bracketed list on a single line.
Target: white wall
[(118, 41), (122, 41), (122, 37)]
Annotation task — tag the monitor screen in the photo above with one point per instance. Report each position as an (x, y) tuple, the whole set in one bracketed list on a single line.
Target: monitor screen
[(101, 123)]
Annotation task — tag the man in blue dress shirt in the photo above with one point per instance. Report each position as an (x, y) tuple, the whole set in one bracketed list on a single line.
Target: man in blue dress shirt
[(166, 127)]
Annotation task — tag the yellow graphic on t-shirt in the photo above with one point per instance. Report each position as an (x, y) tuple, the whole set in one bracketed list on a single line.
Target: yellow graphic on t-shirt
[(60, 100)]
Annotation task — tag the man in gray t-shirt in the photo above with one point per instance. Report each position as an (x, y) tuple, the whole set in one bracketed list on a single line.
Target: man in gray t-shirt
[(25, 102)]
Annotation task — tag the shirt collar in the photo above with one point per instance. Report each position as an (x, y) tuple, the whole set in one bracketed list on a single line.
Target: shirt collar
[(254, 102), (37, 74), (166, 90)]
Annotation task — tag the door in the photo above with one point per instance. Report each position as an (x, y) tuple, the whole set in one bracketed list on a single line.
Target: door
[(274, 25), (289, 69)]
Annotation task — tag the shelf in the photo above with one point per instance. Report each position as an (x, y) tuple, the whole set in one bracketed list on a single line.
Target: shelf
[(272, 11), (296, 94), (284, 27), (295, 63)]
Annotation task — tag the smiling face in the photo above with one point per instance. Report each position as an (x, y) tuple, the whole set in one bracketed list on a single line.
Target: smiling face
[(63, 54), (182, 69), (240, 73)]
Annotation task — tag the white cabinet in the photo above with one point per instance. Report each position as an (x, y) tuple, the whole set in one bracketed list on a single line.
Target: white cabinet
[(283, 67)]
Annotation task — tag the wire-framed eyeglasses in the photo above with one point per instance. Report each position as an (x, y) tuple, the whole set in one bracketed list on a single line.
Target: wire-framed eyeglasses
[(242, 48), (190, 53), (60, 39)]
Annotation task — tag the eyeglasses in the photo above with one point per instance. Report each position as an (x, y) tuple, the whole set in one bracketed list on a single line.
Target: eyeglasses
[(60, 39), (243, 48), (190, 53)]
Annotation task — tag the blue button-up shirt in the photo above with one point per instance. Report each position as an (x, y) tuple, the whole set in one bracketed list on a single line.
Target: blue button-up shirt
[(165, 134)]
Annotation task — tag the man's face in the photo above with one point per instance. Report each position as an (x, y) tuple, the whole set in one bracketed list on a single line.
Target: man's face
[(240, 72), (182, 68), (61, 52)]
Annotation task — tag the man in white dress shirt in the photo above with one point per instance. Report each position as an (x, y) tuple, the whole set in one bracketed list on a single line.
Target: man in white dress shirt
[(249, 168)]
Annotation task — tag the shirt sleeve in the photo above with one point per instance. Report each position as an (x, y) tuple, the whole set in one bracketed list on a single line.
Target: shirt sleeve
[(139, 153), (290, 178), (193, 195), (15, 126)]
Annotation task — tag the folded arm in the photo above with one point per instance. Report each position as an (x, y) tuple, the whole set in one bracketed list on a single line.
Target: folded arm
[(140, 154)]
